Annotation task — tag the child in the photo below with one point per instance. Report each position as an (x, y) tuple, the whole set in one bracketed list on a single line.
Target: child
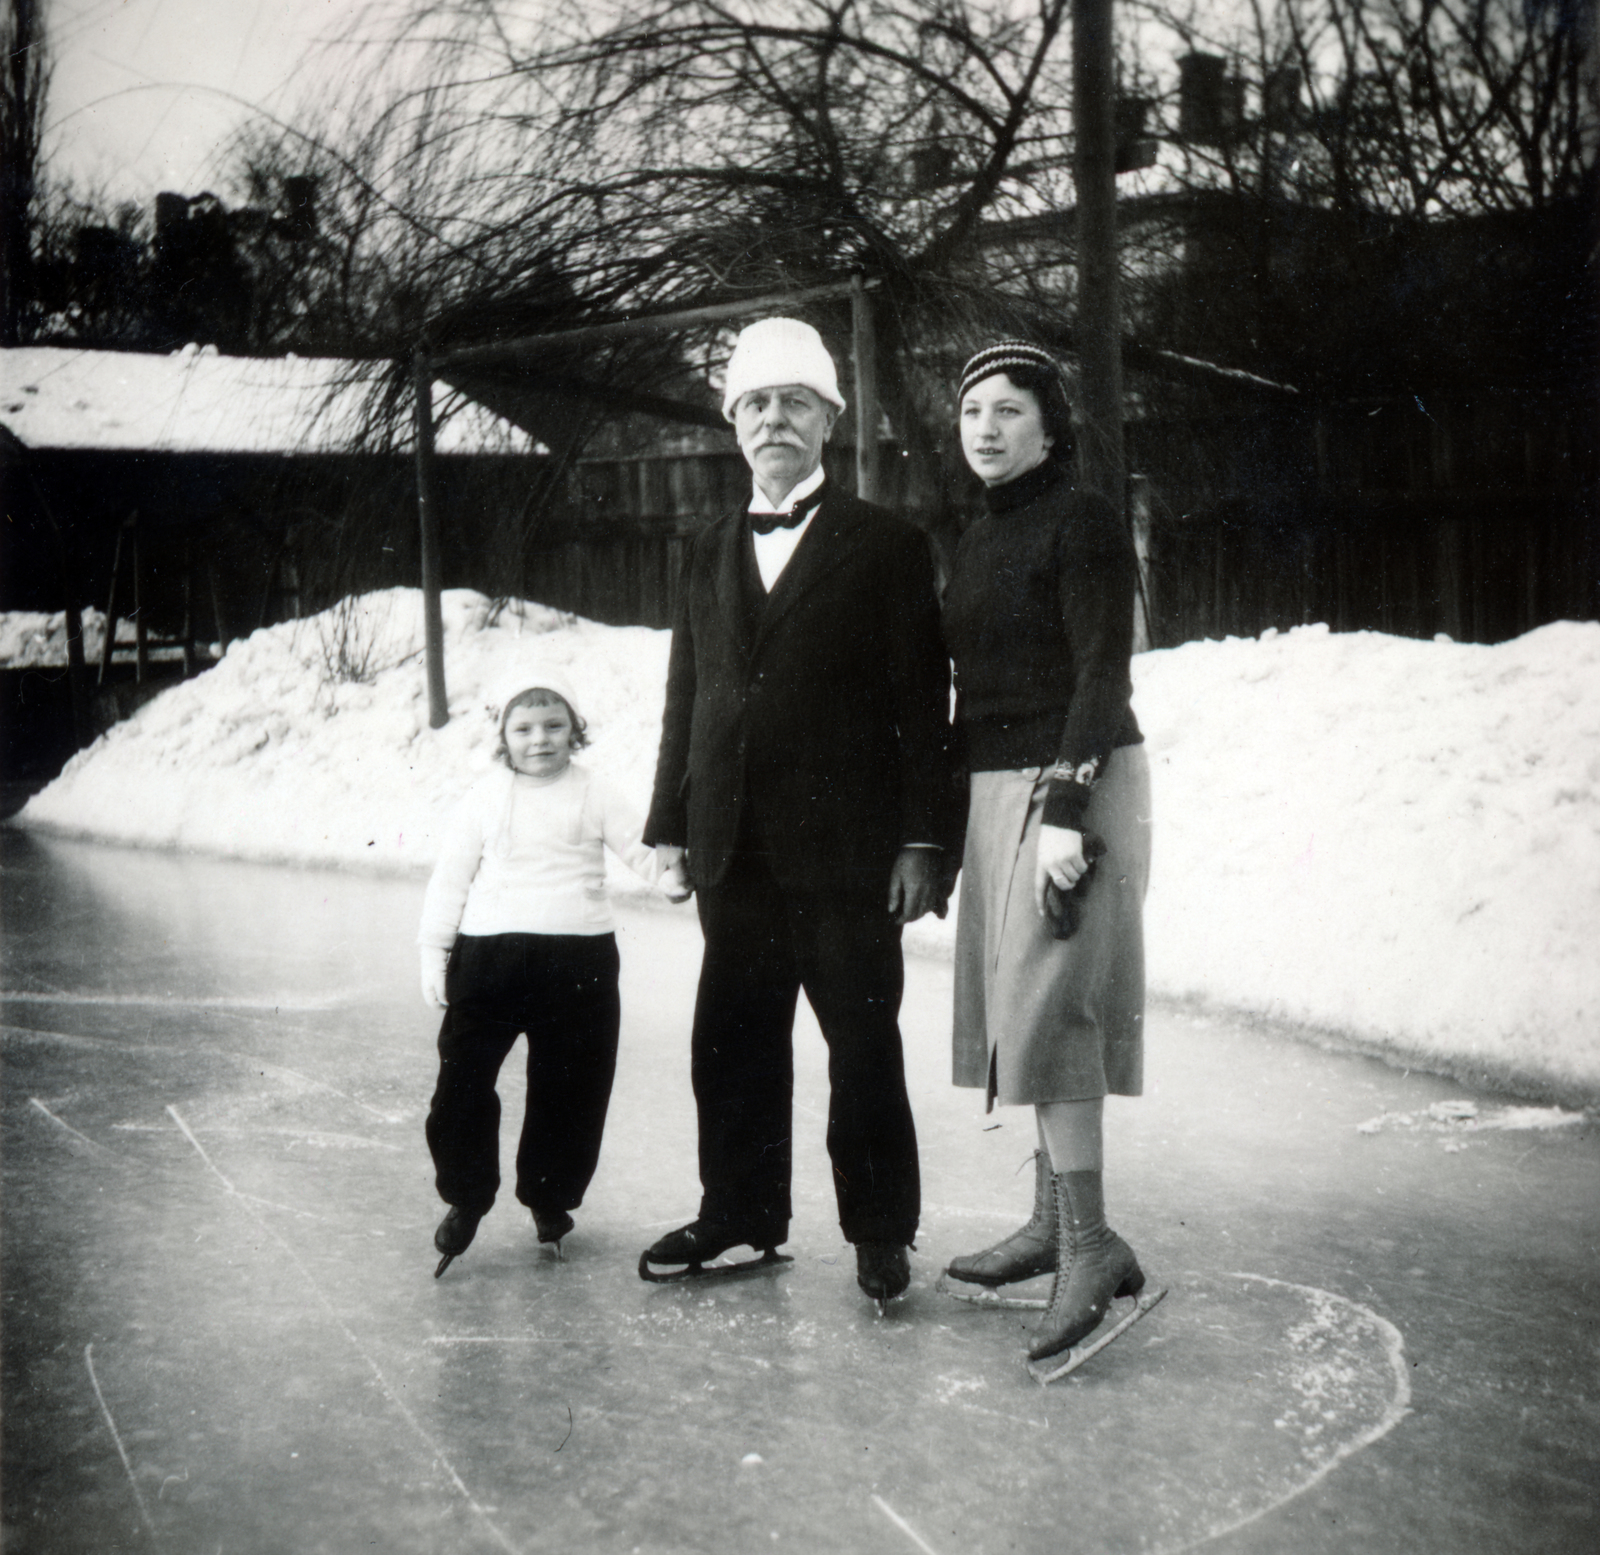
[(517, 937)]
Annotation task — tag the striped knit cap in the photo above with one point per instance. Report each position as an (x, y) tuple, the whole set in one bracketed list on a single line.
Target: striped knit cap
[(1004, 354)]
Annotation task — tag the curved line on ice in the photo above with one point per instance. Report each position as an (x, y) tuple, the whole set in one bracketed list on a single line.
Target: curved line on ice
[(122, 1452), (250, 1060), (1398, 1408), (437, 1453)]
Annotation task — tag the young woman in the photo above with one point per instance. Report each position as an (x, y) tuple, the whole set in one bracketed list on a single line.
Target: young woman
[(1049, 997)]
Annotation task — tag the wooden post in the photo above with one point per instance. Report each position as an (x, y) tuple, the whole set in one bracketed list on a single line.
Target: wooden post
[(866, 355), (141, 634), (219, 617), (189, 665), (1099, 323), (82, 727), (428, 520), (1144, 631), (77, 669), (109, 644)]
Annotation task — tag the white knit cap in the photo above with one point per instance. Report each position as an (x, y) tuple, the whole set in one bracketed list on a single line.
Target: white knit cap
[(524, 675), (774, 352)]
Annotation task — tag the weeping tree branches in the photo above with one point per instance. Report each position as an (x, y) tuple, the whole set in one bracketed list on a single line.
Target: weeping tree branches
[(564, 164)]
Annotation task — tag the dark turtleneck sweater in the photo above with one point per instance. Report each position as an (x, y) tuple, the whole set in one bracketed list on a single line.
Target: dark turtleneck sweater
[(1038, 618)]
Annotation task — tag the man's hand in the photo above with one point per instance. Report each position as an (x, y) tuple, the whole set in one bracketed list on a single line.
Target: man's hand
[(1061, 859), (676, 881), (434, 961), (914, 884)]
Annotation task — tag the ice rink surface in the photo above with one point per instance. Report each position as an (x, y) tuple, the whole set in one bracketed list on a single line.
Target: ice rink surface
[(222, 1332)]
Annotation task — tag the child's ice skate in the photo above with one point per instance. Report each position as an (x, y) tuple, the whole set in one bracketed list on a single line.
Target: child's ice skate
[(455, 1235), (552, 1225)]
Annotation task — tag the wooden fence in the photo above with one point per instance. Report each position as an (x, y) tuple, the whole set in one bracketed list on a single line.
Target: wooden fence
[(1475, 518)]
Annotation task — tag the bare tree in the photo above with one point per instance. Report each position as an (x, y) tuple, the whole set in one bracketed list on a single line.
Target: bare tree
[(516, 160), (1426, 108), (24, 84)]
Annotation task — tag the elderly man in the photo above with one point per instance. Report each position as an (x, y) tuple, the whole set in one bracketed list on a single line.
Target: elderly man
[(803, 786)]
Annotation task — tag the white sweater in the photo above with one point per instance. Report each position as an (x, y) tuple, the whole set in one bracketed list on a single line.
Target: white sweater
[(523, 856)]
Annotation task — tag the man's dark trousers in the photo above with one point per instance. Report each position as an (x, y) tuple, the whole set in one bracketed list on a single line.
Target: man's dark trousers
[(763, 945), (809, 726)]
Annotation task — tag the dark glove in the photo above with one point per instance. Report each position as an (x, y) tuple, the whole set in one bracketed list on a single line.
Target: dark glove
[(1063, 908)]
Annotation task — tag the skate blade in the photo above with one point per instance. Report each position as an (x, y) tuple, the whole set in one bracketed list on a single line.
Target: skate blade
[(1046, 1371), (771, 1260), (988, 1296)]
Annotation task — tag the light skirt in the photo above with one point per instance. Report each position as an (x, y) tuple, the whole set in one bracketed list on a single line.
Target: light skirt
[(1039, 1019)]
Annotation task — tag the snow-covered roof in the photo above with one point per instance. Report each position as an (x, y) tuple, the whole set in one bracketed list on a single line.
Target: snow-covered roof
[(197, 401)]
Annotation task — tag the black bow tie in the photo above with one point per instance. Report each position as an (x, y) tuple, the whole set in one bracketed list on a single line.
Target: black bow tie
[(765, 523)]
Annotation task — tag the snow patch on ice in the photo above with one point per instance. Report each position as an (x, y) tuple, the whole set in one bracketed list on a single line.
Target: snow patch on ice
[(1466, 1117)]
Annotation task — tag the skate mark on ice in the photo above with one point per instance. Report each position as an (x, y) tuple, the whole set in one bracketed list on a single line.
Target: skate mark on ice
[(98, 1151), (435, 1451), (652, 1345), (283, 1209), (295, 1079), (320, 1139), (1000, 1414), (291, 1077), (1324, 1302), (904, 1527), (297, 1003), (116, 1437)]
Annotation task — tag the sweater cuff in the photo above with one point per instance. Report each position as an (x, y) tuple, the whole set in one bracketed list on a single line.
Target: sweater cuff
[(1067, 802)]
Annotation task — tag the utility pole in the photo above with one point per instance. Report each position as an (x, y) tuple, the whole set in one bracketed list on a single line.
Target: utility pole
[(1101, 463), (866, 391)]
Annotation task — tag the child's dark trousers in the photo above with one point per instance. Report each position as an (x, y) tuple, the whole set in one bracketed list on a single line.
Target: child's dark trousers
[(561, 989)]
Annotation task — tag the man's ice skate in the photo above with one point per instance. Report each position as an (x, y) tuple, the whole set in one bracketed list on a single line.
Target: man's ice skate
[(455, 1235), (689, 1253), (1046, 1371), (552, 1225)]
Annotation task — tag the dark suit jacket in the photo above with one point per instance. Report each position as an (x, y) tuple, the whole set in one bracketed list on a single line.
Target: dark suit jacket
[(823, 706)]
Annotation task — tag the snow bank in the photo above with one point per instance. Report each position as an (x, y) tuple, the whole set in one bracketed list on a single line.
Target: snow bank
[(1393, 840), (1386, 837), (268, 756)]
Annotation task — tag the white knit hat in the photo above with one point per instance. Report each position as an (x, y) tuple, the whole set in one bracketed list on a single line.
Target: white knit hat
[(774, 352), (523, 675)]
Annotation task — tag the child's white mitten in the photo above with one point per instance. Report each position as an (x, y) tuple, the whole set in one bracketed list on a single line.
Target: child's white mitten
[(433, 964)]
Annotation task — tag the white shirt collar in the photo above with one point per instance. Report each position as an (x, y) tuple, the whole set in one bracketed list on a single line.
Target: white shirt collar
[(797, 493)]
